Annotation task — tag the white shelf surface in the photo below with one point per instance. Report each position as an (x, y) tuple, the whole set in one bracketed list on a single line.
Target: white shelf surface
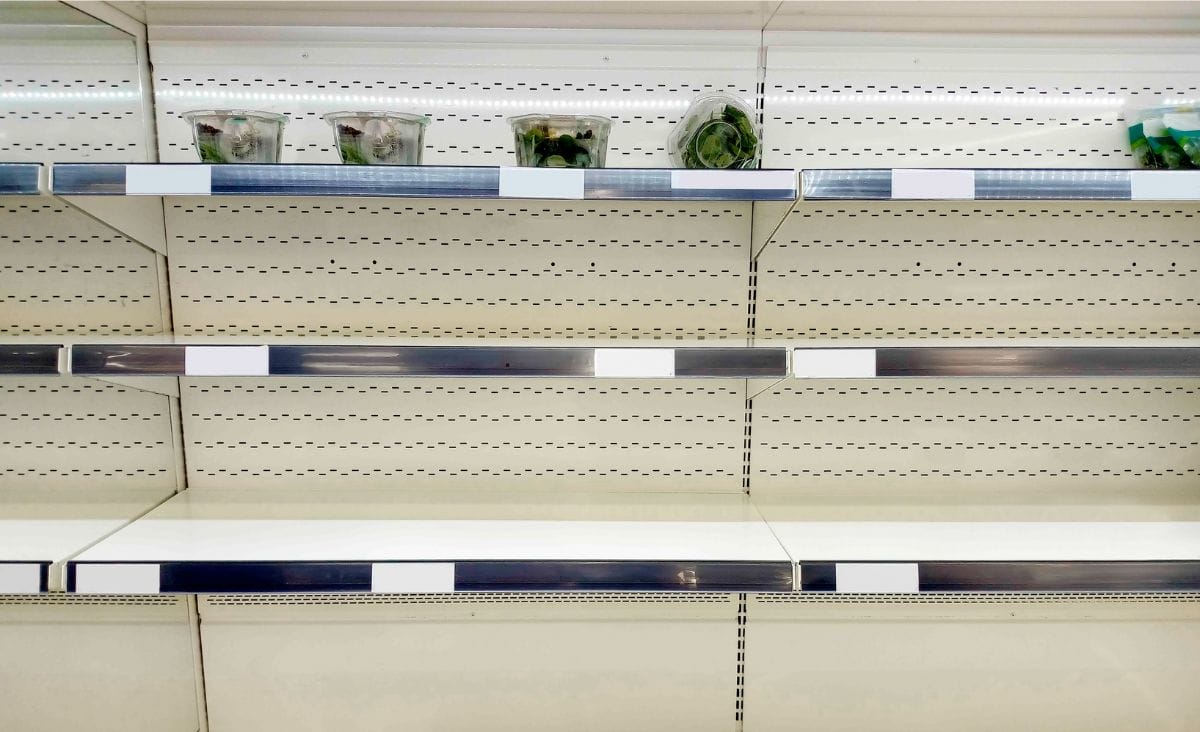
[(629, 541), (43, 528)]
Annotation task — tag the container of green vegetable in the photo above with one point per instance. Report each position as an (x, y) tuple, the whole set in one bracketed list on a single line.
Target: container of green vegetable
[(560, 140), (378, 138), (717, 131), (236, 135)]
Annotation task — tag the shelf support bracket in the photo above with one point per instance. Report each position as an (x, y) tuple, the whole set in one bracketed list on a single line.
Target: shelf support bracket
[(163, 385), (140, 218), (767, 219)]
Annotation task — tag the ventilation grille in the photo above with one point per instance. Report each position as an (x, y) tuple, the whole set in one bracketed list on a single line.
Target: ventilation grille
[(437, 433), (490, 598), (949, 271), (63, 273), (91, 600), (67, 433), (480, 270)]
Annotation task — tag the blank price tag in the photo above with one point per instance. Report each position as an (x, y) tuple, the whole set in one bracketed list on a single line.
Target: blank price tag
[(833, 363), (541, 182), (862, 577), (412, 577), (20, 579), (635, 363), (916, 183), (1164, 185), (119, 579), (740, 180), (168, 180), (226, 360)]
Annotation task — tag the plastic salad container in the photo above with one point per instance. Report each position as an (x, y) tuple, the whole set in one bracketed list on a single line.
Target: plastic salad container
[(378, 138), (1165, 137), (237, 136), (560, 140), (717, 131)]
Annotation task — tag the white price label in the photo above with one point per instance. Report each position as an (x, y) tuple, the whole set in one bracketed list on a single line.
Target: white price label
[(20, 579), (412, 577), (741, 180), (168, 180), (865, 577), (541, 183), (635, 363), (919, 183), (1164, 185), (117, 579), (833, 363), (226, 360)]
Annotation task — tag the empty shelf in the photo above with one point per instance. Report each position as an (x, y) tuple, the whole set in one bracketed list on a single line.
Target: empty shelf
[(345, 541), (39, 529), (440, 361), (888, 184), (19, 179), (857, 555), (423, 181)]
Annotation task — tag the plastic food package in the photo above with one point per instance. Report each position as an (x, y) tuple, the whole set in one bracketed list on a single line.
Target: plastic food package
[(1162, 149), (378, 138), (560, 140), (237, 136), (717, 131), (1184, 128)]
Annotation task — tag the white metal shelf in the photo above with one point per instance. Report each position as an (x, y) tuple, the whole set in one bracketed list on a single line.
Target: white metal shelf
[(427, 181), (943, 548), (362, 541), (999, 184), (40, 529), (431, 361)]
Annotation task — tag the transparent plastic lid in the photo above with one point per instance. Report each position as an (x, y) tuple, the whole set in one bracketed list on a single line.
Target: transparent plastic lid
[(271, 116), (378, 114)]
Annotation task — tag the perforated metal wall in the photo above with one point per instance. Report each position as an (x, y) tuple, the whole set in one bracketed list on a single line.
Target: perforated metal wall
[(70, 100), (864, 100), (980, 437), (62, 272), (953, 270), (459, 269), (60, 432), (415, 434), (468, 82)]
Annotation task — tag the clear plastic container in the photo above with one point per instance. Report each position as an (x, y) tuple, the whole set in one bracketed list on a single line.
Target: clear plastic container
[(378, 138), (717, 131), (237, 136), (560, 140)]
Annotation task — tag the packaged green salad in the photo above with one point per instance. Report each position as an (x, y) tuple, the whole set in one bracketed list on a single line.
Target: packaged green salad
[(717, 131), (560, 140), (1165, 149), (1184, 128)]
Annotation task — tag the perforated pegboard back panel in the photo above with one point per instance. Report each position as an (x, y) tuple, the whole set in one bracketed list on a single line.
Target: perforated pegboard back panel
[(418, 434), (62, 272), (987, 438), (987, 663), (70, 100), (529, 662), (467, 82), (981, 270), (459, 269), (80, 433), (873, 100)]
